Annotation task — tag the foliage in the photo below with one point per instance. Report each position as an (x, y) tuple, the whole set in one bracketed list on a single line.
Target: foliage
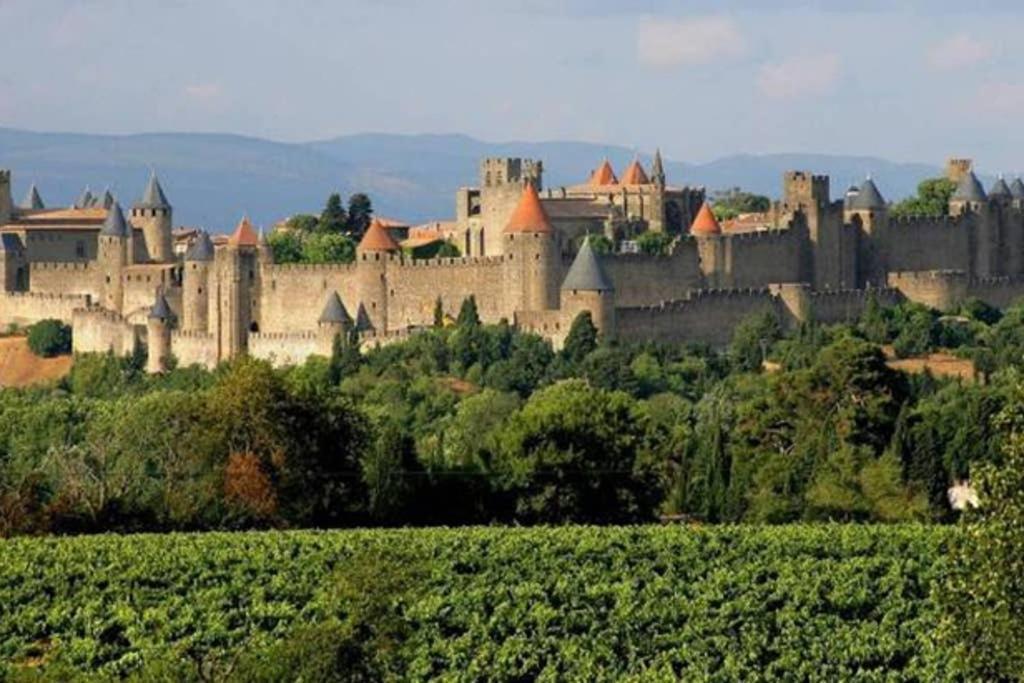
[(311, 247), (468, 316), (731, 203), (932, 199), (564, 603), (655, 243), (751, 340), (581, 340), (49, 338), (360, 212), (333, 218)]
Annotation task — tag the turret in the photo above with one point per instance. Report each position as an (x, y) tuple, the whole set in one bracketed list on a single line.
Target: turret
[(635, 174), (531, 256), (1000, 192), (968, 196), (501, 182), (152, 215), (658, 170), (195, 285), (84, 200), (588, 288), (334, 322), (1017, 193), (710, 246), (13, 267), (158, 336), (6, 204), (32, 200), (112, 257), (372, 255), (603, 176), (866, 204)]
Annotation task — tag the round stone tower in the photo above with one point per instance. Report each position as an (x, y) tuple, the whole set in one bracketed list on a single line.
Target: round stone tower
[(372, 255), (531, 269), (152, 215), (158, 336), (112, 257), (710, 247), (588, 288), (334, 322), (195, 284), (868, 205)]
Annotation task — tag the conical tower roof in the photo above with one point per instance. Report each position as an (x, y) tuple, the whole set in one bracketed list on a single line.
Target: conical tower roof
[(115, 225), (84, 199), (160, 309), (586, 272), (604, 175), (529, 214), (153, 197), (363, 323), (32, 199), (377, 238), (657, 169), (201, 248), (334, 311), (868, 198), (969, 189), (705, 223), (635, 175), (244, 235), (1017, 189), (105, 200), (999, 189)]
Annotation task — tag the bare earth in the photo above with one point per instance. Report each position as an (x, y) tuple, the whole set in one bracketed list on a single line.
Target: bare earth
[(19, 367)]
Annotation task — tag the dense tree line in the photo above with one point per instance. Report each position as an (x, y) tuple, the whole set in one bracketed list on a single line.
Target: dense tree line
[(330, 237), (473, 423)]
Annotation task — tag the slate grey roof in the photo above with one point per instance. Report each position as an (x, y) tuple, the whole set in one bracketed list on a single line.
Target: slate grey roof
[(334, 311), (84, 199), (868, 197), (106, 200), (10, 242), (999, 189), (586, 272), (160, 309), (201, 248), (115, 225), (153, 197), (969, 189), (32, 199), (363, 323), (1017, 189)]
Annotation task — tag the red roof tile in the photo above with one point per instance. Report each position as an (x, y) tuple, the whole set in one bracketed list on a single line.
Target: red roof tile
[(635, 175), (529, 214), (377, 238), (244, 235), (604, 175), (705, 223)]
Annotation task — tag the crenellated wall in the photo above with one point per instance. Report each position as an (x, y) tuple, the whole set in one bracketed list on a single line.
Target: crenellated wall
[(917, 244), (415, 285), (25, 308), (753, 259), (285, 348), (939, 289), (194, 348), (1000, 292), (292, 295), (96, 330), (63, 277), (643, 279), (705, 317)]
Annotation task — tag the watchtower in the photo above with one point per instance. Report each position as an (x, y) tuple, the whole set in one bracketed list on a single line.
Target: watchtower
[(152, 214), (501, 185)]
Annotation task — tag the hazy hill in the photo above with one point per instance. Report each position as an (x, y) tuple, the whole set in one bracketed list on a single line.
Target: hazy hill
[(212, 179)]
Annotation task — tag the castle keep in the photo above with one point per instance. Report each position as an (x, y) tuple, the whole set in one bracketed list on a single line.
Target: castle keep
[(528, 258)]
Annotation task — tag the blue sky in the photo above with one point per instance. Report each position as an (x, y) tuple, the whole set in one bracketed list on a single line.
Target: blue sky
[(915, 81)]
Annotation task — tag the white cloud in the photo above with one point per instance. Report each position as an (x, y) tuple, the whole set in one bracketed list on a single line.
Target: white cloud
[(959, 51), (688, 42), (203, 91), (1001, 98), (799, 76)]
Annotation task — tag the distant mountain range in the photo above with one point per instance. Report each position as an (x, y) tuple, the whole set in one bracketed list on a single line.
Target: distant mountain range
[(212, 179)]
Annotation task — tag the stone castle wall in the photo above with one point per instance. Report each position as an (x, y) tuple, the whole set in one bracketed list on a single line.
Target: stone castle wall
[(25, 308), (642, 279), (1000, 292), (756, 258), (100, 331), (285, 348), (706, 317), (939, 289), (917, 244), (62, 277), (414, 287), (293, 295), (194, 348)]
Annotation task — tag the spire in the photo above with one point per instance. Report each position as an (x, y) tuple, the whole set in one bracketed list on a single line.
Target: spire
[(153, 197), (529, 214), (635, 175), (363, 323), (106, 200), (32, 199), (377, 238), (334, 311), (705, 223), (115, 225), (160, 309), (969, 189), (604, 175), (201, 248), (867, 198), (84, 199), (586, 272), (657, 170), (1000, 189), (1017, 189), (244, 235)]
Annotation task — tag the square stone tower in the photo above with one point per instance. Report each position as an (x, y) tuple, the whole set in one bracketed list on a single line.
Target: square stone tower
[(501, 186)]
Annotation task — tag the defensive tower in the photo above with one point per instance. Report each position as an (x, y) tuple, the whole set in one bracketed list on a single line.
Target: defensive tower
[(152, 214)]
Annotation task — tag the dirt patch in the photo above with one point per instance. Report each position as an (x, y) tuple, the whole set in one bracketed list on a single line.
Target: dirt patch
[(939, 364), (19, 367)]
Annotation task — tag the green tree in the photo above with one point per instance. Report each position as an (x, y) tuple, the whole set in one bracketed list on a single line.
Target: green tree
[(655, 243), (360, 213), (581, 340), (49, 338), (303, 223), (332, 218), (468, 316), (734, 201), (448, 250), (438, 313), (752, 339), (932, 199), (328, 247), (286, 246)]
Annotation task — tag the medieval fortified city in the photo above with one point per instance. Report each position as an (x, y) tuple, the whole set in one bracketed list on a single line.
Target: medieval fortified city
[(113, 272)]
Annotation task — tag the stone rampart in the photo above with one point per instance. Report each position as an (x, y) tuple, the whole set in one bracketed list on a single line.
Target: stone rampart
[(64, 277), (96, 330), (194, 348), (643, 279), (25, 308), (705, 317)]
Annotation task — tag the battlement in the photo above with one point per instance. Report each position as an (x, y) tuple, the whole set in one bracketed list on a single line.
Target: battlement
[(276, 268), (46, 296), (454, 261), (99, 313), (927, 275), (283, 336), (5, 176), (198, 335), (72, 266), (501, 171), (920, 221)]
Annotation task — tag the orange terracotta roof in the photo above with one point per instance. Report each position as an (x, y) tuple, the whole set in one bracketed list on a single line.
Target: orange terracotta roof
[(529, 214), (244, 235), (635, 175), (377, 238), (705, 223), (392, 222), (604, 175)]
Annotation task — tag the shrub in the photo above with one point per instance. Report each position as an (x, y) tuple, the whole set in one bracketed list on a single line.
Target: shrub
[(49, 338)]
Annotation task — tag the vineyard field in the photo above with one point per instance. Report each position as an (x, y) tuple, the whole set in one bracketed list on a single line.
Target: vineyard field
[(725, 603)]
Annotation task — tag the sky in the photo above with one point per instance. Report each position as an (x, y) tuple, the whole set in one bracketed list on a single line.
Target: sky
[(912, 81)]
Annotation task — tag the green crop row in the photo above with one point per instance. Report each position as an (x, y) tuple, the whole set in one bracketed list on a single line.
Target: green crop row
[(563, 603)]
